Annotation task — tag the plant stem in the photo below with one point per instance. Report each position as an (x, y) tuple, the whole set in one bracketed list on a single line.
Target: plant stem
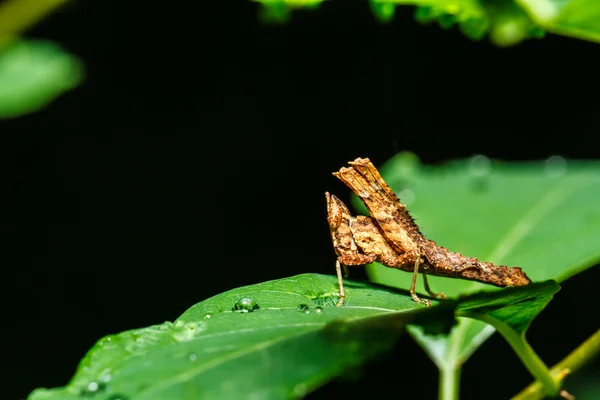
[(577, 359), (528, 357), (449, 383), (18, 15)]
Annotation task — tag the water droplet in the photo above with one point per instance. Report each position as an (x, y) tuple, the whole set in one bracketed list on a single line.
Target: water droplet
[(479, 168), (406, 196), (480, 165), (319, 310), (188, 330), (304, 308), (106, 341), (208, 315), (192, 356), (92, 386), (106, 378), (245, 305), (555, 166)]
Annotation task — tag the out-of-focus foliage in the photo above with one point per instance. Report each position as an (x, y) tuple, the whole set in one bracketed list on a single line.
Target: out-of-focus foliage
[(32, 73), (506, 22)]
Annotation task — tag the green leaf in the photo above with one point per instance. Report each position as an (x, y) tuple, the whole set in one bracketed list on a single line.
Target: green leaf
[(576, 18), (511, 311), (32, 74), (512, 319), (291, 340), (541, 216)]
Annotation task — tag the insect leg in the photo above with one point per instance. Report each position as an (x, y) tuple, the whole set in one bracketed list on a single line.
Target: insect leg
[(429, 291), (413, 284), (345, 260), (338, 269)]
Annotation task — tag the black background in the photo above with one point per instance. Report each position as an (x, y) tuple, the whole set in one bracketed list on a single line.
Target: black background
[(194, 158)]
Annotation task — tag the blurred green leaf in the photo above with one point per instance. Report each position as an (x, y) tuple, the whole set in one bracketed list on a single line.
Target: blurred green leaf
[(383, 10), (279, 11), (470, 15), (32, 74), (508, 22), (575, 18)]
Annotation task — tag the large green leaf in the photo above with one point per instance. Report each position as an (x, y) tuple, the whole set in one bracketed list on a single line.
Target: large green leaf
[(512, 319), (277, 339), (541, 216)]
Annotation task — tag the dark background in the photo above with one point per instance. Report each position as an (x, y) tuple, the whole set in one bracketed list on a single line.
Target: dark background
[(195, 156)]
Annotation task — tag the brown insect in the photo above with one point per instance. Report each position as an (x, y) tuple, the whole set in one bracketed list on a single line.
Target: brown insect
[(391, 237)]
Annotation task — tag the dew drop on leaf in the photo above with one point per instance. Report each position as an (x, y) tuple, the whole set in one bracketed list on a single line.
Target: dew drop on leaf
[(105, 341), (319, 310), (208, 316), (245, 305), (304, 308), (479, 165), (93, 388), (555, 166), (479, 169), (192, 356)]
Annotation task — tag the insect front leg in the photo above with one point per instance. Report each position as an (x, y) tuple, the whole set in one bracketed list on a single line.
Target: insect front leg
[(349, 260)]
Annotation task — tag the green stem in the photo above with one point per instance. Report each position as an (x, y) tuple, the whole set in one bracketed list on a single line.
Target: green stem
[(572, 363), (449, 383), (528, 357), (19, 15)]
